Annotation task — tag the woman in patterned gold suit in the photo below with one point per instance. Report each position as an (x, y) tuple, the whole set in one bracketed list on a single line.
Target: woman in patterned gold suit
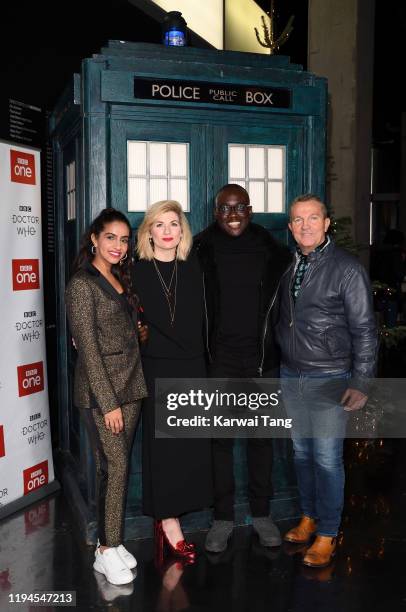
[(109, 382)]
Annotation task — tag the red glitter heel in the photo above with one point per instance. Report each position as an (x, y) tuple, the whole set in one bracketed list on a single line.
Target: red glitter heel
[(183, 549)]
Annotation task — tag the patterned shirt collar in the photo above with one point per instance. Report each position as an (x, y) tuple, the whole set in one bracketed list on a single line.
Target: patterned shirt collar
[(319, 248), (302, 263)]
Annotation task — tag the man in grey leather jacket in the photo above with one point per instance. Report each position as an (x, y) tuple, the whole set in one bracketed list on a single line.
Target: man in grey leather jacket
[(328, 340)]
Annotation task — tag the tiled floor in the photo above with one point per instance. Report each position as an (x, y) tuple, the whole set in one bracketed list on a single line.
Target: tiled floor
[(39, 549)]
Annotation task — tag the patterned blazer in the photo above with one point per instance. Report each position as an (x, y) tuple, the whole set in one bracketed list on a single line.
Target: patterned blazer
[(108, 370)]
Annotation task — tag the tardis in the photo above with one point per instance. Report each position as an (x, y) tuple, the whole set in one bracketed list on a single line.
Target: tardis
[(143, 123)]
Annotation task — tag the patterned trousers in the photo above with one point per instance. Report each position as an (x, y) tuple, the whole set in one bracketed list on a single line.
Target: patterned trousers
[(112, 456)]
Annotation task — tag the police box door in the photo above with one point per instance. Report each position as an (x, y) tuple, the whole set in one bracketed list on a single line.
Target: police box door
[(186, 161), (268, 161)]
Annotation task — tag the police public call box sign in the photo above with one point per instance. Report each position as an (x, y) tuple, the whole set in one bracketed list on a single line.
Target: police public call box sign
[(212, 93)]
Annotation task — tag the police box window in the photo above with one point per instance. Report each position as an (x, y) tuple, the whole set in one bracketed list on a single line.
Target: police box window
[(157, 171), (261, 170)]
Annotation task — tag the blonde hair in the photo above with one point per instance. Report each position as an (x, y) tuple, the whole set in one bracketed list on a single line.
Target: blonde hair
[(144, 247)]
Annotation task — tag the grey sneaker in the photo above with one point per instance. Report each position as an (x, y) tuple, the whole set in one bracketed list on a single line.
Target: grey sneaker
[(267, 531), (218, 536)]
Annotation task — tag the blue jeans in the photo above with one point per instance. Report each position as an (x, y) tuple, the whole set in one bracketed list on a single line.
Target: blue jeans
[(318, 428)]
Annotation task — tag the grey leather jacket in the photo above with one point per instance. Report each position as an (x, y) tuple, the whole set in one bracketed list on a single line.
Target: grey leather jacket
[(331, 328)]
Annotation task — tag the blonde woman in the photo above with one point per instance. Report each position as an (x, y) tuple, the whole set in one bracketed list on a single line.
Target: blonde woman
[(169, 284)]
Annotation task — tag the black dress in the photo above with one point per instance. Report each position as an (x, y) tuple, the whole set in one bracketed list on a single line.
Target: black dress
[(176, 472)]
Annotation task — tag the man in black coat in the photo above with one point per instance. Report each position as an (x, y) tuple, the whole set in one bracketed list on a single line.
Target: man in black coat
[(328, 340), (242, 267)]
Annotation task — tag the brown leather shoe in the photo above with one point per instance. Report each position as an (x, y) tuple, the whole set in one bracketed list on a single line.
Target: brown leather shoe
[(302, 533), (321, 552)]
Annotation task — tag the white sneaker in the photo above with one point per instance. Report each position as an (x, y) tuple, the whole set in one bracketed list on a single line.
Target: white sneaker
[(112, 566), (127, 557)]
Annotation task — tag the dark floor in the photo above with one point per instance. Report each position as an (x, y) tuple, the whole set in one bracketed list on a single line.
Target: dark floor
[(39, 549)]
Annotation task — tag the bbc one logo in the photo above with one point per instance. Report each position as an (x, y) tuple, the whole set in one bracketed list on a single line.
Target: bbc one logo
[(22, 167), (30, 378), (35, 477), (25, 274)]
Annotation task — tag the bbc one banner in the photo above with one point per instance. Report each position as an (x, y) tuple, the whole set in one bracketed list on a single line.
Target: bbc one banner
[(25, 436)]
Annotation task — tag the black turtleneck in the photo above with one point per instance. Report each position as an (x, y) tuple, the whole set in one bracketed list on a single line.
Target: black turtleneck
[(240, 264)]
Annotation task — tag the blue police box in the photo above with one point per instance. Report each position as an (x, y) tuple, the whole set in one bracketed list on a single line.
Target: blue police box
[(142, 123)]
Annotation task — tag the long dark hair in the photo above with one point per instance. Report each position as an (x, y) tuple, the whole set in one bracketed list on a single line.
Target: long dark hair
[(121, 271)]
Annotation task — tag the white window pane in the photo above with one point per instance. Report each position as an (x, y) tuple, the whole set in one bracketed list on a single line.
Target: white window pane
[(256, 162), (256, 190), (242, 183), (275, 162), (158, 190), (137, 158), (137, 194), (73, 177), (178, 159), (71, 206), (236, 162), (275, 197), (178, 190), (68, 177), (157, 159), (70, 191)]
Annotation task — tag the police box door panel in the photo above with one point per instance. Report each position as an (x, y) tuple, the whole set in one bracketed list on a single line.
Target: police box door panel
[(269, 162), (157, 160)]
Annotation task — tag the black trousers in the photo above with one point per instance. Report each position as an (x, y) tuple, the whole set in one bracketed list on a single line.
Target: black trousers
[(112, 456), (259, 451)]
